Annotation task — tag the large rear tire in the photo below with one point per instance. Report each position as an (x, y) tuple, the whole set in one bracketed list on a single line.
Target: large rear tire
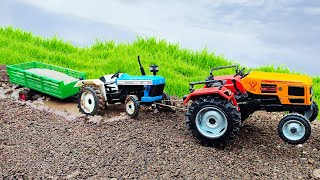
[(214, 121), (90, 100), (294, 129)]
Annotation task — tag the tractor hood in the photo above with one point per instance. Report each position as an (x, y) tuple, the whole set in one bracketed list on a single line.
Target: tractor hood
[(268, 82), (126, 79), (270, 77), (291, 89)]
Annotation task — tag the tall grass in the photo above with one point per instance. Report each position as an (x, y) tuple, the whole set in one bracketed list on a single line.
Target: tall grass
[(179, 66)]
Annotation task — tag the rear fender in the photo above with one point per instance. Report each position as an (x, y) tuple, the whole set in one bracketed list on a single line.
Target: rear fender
[(224, 92), (96, 82)]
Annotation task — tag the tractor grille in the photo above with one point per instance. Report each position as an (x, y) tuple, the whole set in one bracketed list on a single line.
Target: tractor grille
[(296, 91), (156, 90), (296, 100)]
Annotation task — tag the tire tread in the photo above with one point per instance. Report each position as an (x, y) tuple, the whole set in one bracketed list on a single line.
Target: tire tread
[(227, 107)]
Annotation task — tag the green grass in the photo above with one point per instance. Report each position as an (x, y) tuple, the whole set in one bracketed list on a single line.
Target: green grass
[(179, 66)]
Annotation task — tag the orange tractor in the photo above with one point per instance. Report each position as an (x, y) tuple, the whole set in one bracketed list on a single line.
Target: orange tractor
[(219, 108)]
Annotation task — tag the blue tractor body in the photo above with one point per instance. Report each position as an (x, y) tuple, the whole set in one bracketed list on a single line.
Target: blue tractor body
[(148, 89)]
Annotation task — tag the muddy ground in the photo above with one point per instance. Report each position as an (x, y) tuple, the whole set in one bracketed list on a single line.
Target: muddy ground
[(39, 142)]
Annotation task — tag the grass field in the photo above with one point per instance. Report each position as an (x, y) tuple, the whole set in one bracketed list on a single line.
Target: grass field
[(179, 66)]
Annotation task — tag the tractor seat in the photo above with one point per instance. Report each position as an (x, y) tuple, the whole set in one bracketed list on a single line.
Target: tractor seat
[(209, 78), (107, 80)]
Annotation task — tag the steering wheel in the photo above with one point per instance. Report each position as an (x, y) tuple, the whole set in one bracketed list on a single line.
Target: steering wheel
[(209, 78), (240, 72), (247, 73), (115, 75)]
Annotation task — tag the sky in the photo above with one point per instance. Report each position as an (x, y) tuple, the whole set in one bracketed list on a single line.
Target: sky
[(250, 32)]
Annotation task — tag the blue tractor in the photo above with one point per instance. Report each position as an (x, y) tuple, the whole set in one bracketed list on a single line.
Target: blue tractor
[(144, 89), (134, 91)]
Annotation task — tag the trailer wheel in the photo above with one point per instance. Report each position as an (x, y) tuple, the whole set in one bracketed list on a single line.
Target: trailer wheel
[(25, 95), (294, 129), (132, 106), (90, 100), (213, 120)]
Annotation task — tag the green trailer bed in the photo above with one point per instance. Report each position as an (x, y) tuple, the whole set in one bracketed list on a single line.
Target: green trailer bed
[(22, 75)]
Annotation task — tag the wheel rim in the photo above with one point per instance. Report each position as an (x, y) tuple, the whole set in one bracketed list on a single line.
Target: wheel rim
[(293, 130), (87, 102), (130, 107), (211, 122)]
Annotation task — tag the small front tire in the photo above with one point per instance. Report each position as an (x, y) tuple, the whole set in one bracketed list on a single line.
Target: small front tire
[(294, 129), (311, 114), (132, 106), (315, 111)]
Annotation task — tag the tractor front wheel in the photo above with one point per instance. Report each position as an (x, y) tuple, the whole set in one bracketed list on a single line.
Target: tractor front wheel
[(315, 111), (90, 100), (213, 120), (311, 114), (132, 106), (294, 129)]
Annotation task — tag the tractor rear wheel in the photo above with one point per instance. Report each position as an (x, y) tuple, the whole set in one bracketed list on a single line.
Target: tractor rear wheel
[(294, 129), (90, 100), (132, 106), (213, 120)]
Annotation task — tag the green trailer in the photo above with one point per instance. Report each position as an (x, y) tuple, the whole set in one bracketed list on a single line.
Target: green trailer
[(38, 77)]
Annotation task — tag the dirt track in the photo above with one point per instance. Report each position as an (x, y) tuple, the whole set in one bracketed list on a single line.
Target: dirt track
[(36, 143)]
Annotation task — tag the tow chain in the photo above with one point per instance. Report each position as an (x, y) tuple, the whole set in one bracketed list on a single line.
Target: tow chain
[(173, 107)]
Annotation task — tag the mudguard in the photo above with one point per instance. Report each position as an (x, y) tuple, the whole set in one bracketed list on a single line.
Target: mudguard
[(223, 92), (96, 82), (88, 82)]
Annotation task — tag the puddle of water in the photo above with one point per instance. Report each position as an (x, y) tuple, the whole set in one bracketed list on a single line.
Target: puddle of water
[(70, 107), (65, 108)]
